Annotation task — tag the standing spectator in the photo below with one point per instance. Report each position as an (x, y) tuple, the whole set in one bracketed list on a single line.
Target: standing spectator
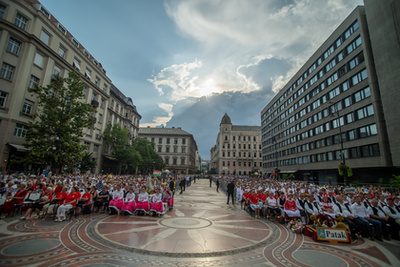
[(217, 183), (210, 181), (230, 191)]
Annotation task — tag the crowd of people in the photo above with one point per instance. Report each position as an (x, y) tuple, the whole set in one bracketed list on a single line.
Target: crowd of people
[(62, 195), (372, 212)]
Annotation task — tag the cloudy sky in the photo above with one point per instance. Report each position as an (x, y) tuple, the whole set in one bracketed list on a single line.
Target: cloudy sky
[(187, 63)]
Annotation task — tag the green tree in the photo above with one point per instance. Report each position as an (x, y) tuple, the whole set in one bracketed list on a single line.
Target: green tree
[(56, 133), (118, 140), (150, 159), (87, 162)]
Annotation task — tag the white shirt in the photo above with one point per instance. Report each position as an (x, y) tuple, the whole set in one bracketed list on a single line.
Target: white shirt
[(395, 215), (271, 202), (359, 210), (380, 212)]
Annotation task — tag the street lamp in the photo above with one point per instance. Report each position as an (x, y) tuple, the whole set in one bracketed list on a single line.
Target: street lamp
[(342, 154)]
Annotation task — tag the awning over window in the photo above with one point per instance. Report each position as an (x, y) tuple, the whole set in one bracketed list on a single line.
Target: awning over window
[(19, 148), (110, 158)]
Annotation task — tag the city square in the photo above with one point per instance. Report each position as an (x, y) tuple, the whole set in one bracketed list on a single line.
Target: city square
[(201, 230)]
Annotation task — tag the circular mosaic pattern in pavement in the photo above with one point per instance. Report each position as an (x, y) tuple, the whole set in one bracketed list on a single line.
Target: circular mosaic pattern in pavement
[(30, 247), (182, 232), (185, 223)]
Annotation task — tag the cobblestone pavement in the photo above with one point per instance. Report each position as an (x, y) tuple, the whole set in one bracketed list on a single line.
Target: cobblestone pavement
[(201, 230)]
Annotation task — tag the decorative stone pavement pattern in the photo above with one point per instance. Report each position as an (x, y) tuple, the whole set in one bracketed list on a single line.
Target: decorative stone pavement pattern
[(201, 230)]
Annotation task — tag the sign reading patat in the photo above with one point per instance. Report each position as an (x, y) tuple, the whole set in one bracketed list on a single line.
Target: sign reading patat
[(333, 235)]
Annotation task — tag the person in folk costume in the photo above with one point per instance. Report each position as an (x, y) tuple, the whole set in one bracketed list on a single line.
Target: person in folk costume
[(168, 197), (327, 207), (156, 205), (129, 201), (290, 207), (377, 212), (281, 200), (143, 200), (394, 217), (117, 199)]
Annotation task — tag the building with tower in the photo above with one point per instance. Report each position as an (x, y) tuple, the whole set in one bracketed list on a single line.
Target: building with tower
[(237, 150)]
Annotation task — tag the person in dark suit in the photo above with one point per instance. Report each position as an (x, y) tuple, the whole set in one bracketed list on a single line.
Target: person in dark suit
[(230, 191), (217, 183)]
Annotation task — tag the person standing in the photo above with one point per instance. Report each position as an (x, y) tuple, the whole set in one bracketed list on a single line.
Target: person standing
[(230, 191), (210, 181), (217, 183)]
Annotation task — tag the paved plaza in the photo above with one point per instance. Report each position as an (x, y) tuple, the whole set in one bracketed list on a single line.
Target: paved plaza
[(201, 230)]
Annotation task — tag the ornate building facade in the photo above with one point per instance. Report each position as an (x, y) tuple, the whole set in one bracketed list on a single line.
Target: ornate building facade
[(237, 150), (34, 48), (176, 146)]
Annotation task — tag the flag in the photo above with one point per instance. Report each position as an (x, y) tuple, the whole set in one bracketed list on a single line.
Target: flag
[(156, 173)]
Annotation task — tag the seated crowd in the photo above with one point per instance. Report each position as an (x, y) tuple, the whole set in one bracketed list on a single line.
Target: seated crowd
[(371, 212), (63, 196)]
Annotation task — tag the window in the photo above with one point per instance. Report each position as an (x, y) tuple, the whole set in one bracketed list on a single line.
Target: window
[(100, 118), (332, 79), (105, 88), (350, 48), (159, 149), (365, 112), (351, 135), (3, 99), (370, 150), (175, 141), (27, 107), (62, 51), (56, 71), (182, 161), (62, 29), (184, 150), (6, 71), (349, 118), (334, 92), (88, 74), (45, 37), (330, 65), (75, 42), (33, 81), (367, 131), (96, 148), (97, 81), (38, 61), (2, 11), (13, 46), (20, 130), (21, 21), (174, 161), (166, 161), (360, 95), (347, 101), (76, 64)]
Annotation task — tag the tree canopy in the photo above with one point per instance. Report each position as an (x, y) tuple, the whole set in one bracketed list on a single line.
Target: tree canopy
[(56, 133)]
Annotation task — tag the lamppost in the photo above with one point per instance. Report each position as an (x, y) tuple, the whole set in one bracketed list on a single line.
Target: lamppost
[(342, 154), (276, 155)]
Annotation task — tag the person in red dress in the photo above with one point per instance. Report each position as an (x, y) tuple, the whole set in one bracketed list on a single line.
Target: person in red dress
[(18, 198), (291, 208)]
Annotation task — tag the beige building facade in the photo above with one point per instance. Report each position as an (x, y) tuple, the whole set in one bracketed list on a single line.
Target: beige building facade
[(340, 106), (34, 48), (176, 146), (237, 150)]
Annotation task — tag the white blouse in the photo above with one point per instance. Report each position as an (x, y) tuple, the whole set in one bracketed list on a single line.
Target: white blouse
[(143, 197)]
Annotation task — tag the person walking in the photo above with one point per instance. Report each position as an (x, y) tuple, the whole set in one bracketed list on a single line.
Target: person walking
[(217, 183), (182, 184), (210, 181), (230, 191)]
